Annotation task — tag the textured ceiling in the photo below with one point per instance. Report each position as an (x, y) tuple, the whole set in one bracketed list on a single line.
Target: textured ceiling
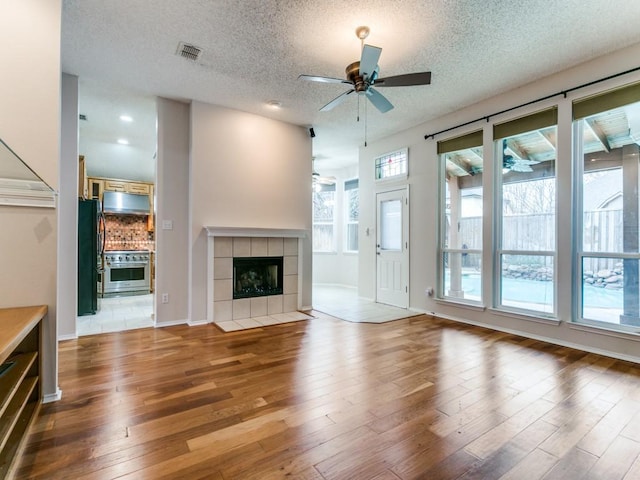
[(124, 53)]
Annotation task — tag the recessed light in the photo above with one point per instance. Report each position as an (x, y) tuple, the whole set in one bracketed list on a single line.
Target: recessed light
[(123, 141), (126, 118), (275, 104)]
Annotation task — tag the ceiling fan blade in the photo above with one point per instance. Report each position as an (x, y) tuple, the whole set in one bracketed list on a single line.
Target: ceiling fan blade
[(407, 80), (336, 101), (369, 60), (326, 180), (379, 101), (315, 78), (521, 168)]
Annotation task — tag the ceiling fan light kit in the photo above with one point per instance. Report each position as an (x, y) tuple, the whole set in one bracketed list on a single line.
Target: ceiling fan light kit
[(363, 74)]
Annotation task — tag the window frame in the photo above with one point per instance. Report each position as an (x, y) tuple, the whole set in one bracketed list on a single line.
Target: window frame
[(346, 211), (582, 109), (333, 249), (401, 176), (462, 142), (529, 123)]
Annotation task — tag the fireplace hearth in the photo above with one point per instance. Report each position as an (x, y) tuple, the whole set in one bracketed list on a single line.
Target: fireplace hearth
[(257, 276)]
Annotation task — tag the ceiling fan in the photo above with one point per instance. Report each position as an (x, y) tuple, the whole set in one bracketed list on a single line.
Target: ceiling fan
[(512, 161), (318, 180), (363, 75)]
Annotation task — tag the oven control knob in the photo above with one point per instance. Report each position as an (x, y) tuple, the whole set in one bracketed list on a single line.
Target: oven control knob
[(120, 257), (133, 257)]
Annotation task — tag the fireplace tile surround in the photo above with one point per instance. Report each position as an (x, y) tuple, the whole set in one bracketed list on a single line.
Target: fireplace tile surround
[(227, 243)]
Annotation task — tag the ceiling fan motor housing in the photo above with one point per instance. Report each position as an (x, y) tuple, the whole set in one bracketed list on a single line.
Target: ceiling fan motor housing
[(353, 75)]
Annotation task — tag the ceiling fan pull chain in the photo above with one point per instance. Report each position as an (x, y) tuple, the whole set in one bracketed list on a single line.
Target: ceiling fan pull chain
[(365, 124), (358, 114)]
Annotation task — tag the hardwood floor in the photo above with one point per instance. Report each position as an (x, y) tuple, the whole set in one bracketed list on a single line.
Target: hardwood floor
[(327, 399)]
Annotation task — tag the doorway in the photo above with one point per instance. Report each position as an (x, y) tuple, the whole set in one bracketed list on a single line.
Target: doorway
[(116, 135), (392, 247)]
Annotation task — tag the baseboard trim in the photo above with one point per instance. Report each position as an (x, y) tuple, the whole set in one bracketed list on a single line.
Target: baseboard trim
[(198, 322), (551, 340), (52, 397), (69, 336), (172, 323)]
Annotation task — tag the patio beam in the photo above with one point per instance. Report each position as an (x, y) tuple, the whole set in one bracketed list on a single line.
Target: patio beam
[(598, 133)]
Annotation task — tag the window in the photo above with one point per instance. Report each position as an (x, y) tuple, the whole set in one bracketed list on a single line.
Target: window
[(352, 204), (607, 131), (526, 196), (324, 198), (460, 249), (392, 165)]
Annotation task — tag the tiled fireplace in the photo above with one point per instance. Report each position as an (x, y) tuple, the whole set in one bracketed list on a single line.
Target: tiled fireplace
[(266, 263)]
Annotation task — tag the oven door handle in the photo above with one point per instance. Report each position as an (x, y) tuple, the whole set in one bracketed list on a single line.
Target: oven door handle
[(113, 265)]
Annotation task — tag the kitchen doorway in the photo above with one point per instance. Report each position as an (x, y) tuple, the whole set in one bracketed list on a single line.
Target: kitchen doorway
[(117, 142)]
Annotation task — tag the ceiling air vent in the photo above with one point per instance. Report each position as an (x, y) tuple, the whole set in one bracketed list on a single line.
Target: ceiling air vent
[(188, 51)]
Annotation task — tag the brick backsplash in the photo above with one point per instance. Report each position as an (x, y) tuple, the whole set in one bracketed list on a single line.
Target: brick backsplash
[(128, 232)]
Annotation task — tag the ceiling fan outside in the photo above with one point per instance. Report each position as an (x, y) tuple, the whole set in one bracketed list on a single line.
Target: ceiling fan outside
[(318, 179), (363, 75), (512, 161)]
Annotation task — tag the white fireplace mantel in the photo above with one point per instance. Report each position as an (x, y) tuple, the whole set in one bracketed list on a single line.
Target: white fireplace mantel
[(255, 232)]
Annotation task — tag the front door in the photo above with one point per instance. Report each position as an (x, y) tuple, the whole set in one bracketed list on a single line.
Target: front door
[(392, 248)]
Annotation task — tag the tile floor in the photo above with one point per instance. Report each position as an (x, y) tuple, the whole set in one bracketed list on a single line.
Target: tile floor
[(116, 314), (127, 313), (343, 302)]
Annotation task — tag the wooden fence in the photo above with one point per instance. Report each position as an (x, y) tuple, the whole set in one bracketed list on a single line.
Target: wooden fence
[(603, 232)]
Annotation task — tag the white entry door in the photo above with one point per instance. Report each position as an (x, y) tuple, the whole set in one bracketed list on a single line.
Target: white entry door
[(392, 248)]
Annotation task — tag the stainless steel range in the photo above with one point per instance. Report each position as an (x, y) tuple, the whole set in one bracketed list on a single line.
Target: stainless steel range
[(126, 272)]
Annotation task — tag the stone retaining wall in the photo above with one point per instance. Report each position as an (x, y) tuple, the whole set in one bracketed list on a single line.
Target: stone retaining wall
[(612, 279)]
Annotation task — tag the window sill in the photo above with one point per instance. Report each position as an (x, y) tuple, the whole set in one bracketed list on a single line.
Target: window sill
[(457, 303), (604, 330), (525, 316)]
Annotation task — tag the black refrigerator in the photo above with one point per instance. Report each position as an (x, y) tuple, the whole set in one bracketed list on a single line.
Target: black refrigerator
[(90, 246)]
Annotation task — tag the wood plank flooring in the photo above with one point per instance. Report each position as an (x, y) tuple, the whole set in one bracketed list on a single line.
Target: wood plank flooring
[(419, 398)]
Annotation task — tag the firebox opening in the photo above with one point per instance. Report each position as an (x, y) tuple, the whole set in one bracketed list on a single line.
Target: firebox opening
[(257, 276)]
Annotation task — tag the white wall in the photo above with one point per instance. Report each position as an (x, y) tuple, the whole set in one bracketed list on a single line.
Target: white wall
[(172, 204), (338, 268), (423, 180), (246, 171), (30, 125), (67, 298)]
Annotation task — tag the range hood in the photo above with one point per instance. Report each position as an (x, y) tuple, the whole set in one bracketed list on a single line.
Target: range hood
[(126, 203)]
